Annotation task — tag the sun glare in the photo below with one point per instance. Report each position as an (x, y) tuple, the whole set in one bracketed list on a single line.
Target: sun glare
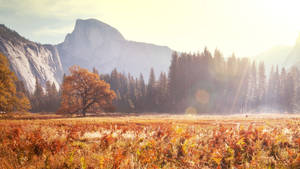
[(286, 15), (287, 8)]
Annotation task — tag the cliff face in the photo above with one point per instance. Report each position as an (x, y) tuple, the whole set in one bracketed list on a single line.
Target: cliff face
[(92, 44), (96, 44), (29, 60)]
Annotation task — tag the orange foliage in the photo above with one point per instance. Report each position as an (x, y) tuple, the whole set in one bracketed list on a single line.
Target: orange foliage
[(84, 92), (10, 99), (126, 142)]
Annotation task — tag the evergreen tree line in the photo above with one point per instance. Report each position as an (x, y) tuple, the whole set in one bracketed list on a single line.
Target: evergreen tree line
[(202, 82), (47, 100), (209, 83), (134, 95)]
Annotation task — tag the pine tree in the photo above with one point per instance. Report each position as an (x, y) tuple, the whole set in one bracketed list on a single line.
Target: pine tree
[(56, 97), (261, 84), (244, 79), (276, 91), (151, 91), (209, 85), (290, 93), (51, 98), (48, 98), (162, 92), (141, 87), (270, 97), (132, 94), (173, 81), (292, 87), (252, 92), (297, 100), (296, 103), (38, 99), (283, 91)]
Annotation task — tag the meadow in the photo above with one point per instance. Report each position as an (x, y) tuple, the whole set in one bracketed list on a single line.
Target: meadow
[(150, 141)]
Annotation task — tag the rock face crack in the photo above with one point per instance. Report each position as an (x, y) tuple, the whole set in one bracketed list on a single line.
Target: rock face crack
[(30, 60)]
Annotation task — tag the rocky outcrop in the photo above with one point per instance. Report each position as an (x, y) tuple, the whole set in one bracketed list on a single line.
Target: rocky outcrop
[(94, 44), (30, 60)]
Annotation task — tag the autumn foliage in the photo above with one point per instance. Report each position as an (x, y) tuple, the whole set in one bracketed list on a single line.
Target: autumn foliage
[(10, 99), (84, 92), (151, 142)]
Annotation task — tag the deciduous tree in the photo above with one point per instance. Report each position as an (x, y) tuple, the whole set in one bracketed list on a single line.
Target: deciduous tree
[(84, 92), (10, 99)]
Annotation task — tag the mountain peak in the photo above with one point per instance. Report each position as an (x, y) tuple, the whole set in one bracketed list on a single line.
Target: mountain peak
[(97, 28), (90, 33), (94, 44), (90, 21)]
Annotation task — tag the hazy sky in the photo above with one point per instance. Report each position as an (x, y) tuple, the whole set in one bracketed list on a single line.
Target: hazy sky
[(245, 27)]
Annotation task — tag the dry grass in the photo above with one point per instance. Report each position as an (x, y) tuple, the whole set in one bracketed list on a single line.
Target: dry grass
[(150, 141)]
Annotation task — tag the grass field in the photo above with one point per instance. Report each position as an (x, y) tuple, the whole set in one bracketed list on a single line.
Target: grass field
[(150, 141)]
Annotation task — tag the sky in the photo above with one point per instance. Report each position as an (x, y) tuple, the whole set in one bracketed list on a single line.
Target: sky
[(243, 27)]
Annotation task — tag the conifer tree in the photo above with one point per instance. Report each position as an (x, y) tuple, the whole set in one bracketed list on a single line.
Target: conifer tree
[(162, 90), (261, 84), (297, 100), (276, 91), (283, 91), (270, 95), (290, 93), (141, 88), (253, 87), (173, 81), (209, 84), (38, 97), (151, 91)]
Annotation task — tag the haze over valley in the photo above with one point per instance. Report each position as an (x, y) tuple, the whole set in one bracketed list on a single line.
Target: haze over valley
[(148, 84), (94, 44)]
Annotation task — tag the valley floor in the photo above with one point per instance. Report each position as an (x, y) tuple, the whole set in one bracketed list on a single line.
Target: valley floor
[(150, 141)]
